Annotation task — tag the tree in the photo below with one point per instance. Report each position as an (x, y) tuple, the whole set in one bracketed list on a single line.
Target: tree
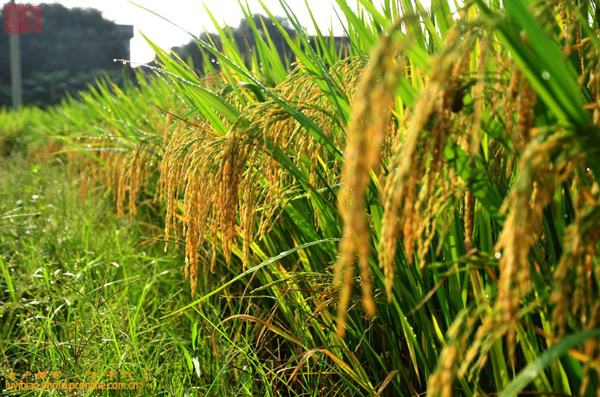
[(244, 40), (74, 43)]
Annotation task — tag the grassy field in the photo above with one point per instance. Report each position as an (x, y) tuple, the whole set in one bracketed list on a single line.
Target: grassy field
[(416, 213), (83, 291)]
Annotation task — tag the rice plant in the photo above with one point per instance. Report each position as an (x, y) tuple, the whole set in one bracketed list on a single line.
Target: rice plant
[(414, 214)]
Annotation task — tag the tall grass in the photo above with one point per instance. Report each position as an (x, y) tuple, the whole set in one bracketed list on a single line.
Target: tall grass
[(452, 155)]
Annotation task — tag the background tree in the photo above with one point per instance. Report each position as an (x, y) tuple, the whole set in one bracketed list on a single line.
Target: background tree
[(76, 46), (244, 40)]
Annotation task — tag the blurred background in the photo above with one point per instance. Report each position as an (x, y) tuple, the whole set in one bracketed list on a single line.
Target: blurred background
[(82, 41)]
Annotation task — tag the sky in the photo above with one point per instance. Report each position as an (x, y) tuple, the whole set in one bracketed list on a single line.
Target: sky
[(192, 16)]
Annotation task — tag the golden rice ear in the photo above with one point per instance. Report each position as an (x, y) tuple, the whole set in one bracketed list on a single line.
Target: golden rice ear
[(531, 194), (408, 213), (574, 295), (223, 181), (371, 123), (575, 272)]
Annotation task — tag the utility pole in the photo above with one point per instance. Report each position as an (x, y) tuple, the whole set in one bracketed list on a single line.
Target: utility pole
[(15, 69)]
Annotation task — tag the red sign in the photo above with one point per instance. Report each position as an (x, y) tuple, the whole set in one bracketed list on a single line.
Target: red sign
[(22, 18)]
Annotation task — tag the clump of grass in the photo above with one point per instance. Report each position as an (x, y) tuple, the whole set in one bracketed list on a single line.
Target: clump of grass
[(81, 292)]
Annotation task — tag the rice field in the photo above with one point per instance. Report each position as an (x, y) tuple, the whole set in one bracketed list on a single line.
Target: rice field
[(416, 213)]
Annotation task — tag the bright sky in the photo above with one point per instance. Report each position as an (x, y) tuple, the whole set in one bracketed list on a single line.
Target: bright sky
[(192, 16)]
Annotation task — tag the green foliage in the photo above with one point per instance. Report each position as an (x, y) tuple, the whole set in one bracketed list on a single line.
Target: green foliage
[(20, 131)]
